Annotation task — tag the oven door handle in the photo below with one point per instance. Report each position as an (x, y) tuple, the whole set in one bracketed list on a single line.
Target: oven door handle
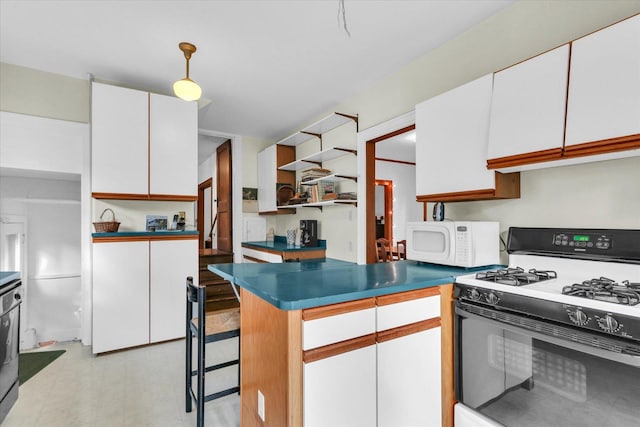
[(623, 357), (16, 304)]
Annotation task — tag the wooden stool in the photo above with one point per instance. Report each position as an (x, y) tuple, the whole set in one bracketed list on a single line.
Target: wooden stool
[(207, 327)]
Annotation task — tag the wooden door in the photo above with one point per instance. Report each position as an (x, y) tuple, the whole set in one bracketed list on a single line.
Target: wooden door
[(225, 224)]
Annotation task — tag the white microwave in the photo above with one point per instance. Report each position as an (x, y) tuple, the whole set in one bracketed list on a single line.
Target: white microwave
[(456, 243)]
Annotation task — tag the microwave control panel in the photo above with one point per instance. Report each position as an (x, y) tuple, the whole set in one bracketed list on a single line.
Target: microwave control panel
[(462, 244)]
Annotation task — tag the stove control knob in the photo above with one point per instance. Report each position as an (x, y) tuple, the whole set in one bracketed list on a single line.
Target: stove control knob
[(492, 298), (578, 317), (474, 294), (608, 323)]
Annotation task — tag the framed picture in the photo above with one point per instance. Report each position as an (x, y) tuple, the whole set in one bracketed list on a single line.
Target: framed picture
[(249, 193), (156, 222)]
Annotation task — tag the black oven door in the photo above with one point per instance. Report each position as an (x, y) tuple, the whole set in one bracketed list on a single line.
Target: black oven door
[(523, 372), (9, 346)]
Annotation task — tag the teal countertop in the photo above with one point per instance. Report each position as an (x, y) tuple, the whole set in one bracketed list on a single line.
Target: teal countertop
[(280, 244), (314, 283), (8, 276), (146, 233)]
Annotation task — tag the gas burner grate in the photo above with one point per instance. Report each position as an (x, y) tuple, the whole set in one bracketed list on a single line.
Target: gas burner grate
[(604, 289), (516, 276)]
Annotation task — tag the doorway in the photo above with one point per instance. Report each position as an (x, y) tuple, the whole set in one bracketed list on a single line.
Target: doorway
[(384, 209), (371, 158)]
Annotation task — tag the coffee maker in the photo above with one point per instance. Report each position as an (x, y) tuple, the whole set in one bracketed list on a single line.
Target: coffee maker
[(308, 233)]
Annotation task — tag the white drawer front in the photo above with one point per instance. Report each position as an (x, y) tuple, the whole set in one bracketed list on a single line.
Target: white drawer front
[(264, 256), (329, 330), (403, 313)]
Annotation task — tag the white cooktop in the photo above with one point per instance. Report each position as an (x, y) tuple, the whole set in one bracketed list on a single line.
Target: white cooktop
[(569, 272)]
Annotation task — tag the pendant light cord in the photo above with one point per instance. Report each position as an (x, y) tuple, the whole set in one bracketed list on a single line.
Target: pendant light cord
[(342, 13)]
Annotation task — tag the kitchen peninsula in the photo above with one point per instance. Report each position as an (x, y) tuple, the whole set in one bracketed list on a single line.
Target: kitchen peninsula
[(326, 342)]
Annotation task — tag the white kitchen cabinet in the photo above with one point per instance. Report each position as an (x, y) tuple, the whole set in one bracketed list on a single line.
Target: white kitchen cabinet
[(604, 85), (267, 169), (139, 291), (173, 146), (171, 261), (341, 390), (120, 295), (528, 110), (452, 132), (269, 177), (409, 378), (143, 146), (119, 140)]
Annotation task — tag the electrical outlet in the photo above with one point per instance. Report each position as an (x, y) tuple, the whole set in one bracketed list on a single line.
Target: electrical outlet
[(260, 405)]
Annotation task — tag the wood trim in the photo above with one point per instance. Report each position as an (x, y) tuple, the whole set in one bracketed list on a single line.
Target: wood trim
[(446, 343), (507, 187), (525, 158), (370, 190), (407, 296), (335, 349), (382, 159), (287, 211), (207, 183), (335, 309), (144, 238), (392, 134), (295, 377), (310, 254), (623, 143), (132, 196), (404, 330), (388, 207), (250, 258), (173, 197), (267, 250)]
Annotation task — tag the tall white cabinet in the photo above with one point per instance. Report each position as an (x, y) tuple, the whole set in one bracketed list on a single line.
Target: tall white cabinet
[(143, 148)]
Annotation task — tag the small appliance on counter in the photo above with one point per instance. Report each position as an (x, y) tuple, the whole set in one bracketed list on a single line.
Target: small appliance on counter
[(438, 211), (456, 243), (308, 233)]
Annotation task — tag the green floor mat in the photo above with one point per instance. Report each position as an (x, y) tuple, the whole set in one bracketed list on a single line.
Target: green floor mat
[(33, 362)]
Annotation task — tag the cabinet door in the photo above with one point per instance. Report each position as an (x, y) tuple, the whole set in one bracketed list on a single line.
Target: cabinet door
[(452, 132), (171, 261), (528, 106), (340, 391), (604, 85), (173, 150), (409, 380), (267, 179), (119, 140), (120, 295)]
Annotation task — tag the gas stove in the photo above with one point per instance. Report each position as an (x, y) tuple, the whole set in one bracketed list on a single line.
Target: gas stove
[(583, 278)]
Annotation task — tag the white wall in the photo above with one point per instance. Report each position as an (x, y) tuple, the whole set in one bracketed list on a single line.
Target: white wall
[(53, 287)]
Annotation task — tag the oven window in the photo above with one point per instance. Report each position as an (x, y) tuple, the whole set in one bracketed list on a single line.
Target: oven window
[(519, 380)]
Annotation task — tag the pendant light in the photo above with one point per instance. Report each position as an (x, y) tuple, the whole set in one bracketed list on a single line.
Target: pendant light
[(186, 88)]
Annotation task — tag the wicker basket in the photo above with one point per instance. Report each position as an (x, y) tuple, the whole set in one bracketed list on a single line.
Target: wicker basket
[(107, 226)]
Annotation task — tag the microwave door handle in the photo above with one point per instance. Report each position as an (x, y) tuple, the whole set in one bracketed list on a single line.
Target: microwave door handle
[(623, 357)]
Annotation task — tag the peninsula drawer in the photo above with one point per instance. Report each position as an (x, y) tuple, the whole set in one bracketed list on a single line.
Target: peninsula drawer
[(407, 307), (253, 255), (338, 322)]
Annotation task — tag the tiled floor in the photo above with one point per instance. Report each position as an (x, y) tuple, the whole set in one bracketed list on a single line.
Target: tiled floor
[(138, 387)]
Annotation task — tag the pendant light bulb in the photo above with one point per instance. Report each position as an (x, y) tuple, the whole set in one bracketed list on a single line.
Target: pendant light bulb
[(186, 88)]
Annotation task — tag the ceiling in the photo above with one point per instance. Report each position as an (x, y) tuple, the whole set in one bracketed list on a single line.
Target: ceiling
[(266, 68)]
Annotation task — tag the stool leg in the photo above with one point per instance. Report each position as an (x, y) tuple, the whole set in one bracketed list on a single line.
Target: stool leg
[(201, 356), (239, 359), (189, 356)]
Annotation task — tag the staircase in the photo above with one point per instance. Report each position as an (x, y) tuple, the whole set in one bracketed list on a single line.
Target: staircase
[(219, 293)]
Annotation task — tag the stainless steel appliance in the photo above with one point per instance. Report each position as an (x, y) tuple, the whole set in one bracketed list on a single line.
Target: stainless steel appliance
[(457, 243), (554, 339), (10, 299)]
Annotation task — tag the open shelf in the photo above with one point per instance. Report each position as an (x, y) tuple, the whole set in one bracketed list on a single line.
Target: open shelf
[(316, 159), (334, 177), (320, 204), (315, 130)]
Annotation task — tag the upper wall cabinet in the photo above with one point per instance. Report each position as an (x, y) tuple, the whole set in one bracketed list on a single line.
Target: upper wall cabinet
[(144, 146), (452, 135), (528, 110), (604, 90), (119, 140), (173, 146)]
